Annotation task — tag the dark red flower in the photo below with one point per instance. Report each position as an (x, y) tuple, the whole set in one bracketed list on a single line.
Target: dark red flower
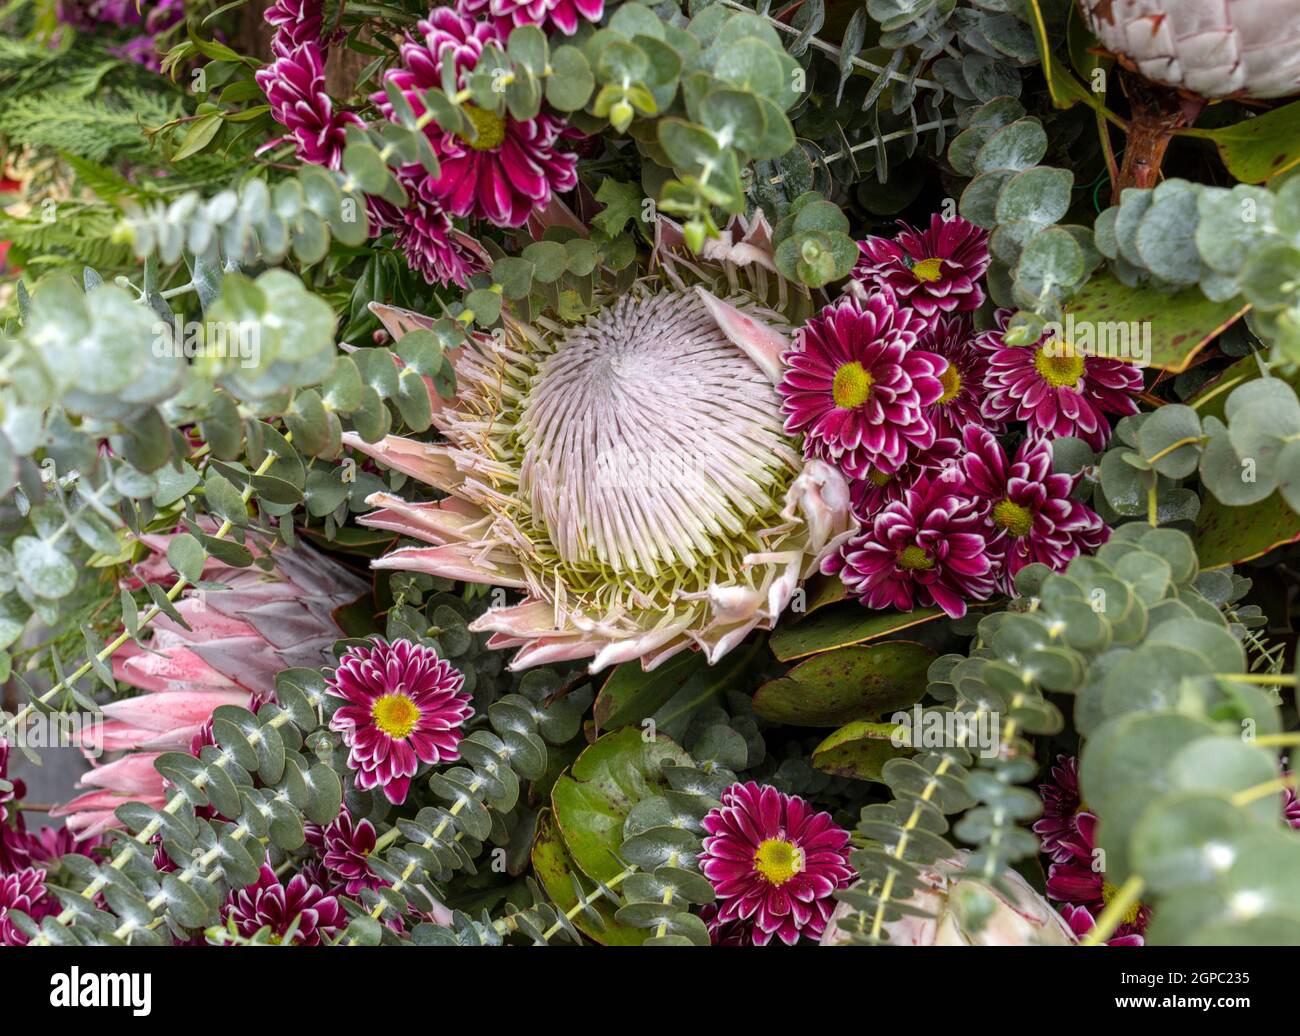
[(345, 846), (934, 271), (294, 84), (299, 906)]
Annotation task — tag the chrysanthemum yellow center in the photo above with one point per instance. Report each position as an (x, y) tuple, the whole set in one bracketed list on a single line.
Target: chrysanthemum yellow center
[(879, 478), (778, 860), (395, 714), (852, 386), (915, 557), (951, 382), (928, 270), (1109, 892), (1059, 365), (489, 128), (1015, 519)]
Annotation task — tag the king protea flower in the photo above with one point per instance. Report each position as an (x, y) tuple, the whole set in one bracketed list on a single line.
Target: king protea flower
[(511, 167), (1214, 49), (773, 863), (564, 15), (629, 475), (858, 388), (240, 637), (404, 706), (934, 271)]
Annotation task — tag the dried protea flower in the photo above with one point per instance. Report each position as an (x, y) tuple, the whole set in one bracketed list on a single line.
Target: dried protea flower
[(630, 475)]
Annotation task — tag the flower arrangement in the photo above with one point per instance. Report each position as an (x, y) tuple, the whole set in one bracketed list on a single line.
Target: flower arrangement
[(602, 472)]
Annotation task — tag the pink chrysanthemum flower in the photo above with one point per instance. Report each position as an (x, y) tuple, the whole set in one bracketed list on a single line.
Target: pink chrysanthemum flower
[(857, 386), (773, 864), (934, 271), (870, 494), (560, 14), (24, 891), (1081, 922), (927, 548), (1029, 515), (345, 846), (433, 247), (1290, 805), (1078, 881), (404, 707), (511, 167), (1054, 389), (299, 905), (294, 85), (952, 338), (296, 22), (1058, 828)]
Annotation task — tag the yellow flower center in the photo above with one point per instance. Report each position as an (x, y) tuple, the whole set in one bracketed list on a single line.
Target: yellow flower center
[(395, 714), (489, 128), (951, 382), (915, 557), (1061, 367), (1109, 892), (852, 386), (778, 860), (928, 270), (1015, 519), (879, 478)]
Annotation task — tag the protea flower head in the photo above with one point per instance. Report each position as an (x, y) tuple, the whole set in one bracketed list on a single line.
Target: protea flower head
[(953, 909), (239, 638), (1212, 48), (629, 475), (564, 15)]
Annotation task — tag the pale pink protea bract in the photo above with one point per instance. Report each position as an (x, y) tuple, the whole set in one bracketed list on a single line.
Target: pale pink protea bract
[(629, 475), (241, 636)]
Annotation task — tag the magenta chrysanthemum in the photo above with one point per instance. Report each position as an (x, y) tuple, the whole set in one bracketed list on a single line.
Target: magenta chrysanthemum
[(934, 271), (1290, 805), (952, 338), (1081, 922), (1029, 515), (857, 386), (927, 548), (345, 846), (433, 247), (1058, 828), (1055, 390), (294, 85), (870, 494), (296, 22), (560, 14), (299, 905), (24, 891), (511, 167), (405, 707), (773, 864), (1077, 881)]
